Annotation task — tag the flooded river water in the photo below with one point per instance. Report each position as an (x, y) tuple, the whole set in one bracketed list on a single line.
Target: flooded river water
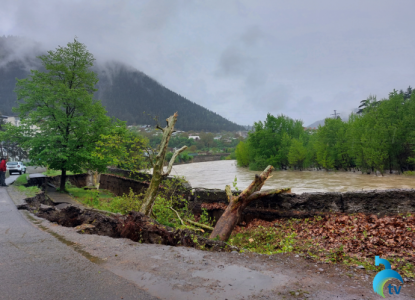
[(217, 174)]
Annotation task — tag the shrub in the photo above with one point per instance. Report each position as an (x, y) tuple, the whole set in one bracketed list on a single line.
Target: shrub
[(21, 180)]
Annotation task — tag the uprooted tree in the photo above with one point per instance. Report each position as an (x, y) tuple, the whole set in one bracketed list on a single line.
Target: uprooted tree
[(237, 204), (158, 172)]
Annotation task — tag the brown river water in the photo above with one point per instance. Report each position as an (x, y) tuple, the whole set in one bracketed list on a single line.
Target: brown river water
[(217, 174)]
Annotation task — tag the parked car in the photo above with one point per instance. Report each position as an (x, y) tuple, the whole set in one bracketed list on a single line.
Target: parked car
[(16, 167)]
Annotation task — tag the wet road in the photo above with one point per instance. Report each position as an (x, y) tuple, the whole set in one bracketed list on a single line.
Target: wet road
[(35, 265)]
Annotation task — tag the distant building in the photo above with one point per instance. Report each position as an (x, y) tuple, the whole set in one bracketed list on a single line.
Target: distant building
[(243, 134), (16, 122), (12, 120), (194, 137)]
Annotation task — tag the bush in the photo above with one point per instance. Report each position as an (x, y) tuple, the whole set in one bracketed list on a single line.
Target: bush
[(21, 180), (168, 156), (184, 156), (410, 173), (29, 191)]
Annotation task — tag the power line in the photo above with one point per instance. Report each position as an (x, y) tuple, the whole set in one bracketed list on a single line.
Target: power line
[(335, 114)]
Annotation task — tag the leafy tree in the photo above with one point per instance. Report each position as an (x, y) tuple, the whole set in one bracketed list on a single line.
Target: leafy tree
[(122, 148), (61, 122), (241, 153), (297, 153), (270, 141)]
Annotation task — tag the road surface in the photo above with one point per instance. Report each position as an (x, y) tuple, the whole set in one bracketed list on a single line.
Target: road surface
[(36, 265)]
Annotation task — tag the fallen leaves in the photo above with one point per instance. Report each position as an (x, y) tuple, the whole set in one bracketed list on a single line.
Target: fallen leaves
[(358, 235)]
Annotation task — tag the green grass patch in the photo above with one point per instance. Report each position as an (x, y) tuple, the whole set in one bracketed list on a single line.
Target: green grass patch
[(21, 180), (265, 240), (29, 191), (99, 199), (51, 172), (162, 209), (409, 173)]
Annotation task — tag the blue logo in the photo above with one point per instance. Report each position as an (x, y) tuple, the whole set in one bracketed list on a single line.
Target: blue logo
[(383, 276)]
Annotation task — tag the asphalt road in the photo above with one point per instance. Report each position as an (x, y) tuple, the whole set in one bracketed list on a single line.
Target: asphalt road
[(36, 265)]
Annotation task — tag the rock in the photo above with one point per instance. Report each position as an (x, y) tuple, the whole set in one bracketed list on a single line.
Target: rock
[(321, 270), (297, 255), (46, 208), (234, 251), (360, 267), (83, 227)]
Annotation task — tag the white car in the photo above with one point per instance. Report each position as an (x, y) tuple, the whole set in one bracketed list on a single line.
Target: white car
[(16, 167)]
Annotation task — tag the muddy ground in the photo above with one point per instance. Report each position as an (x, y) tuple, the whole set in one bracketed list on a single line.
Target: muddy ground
[(185, 273)]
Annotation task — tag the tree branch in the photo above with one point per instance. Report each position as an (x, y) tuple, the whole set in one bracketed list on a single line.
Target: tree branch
[(261, 194), (199, 225), (228, 193), (181, 221), (257, 184), (150, 158), (158, 127), (176, 153)]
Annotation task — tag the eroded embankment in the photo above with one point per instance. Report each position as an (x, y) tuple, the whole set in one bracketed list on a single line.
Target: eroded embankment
[(306, 205), (134, 226)]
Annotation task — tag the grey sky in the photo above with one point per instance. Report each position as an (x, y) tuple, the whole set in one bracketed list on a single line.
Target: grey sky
[(241, 59)]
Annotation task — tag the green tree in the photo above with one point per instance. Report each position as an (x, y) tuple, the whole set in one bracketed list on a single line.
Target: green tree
[(241, 153), (122, 148), (61, 122), (297, 153)]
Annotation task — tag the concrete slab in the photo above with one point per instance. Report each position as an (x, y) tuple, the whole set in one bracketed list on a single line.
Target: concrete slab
[(61, 198)]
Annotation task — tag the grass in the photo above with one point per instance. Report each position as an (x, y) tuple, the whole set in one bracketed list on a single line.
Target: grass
[(29, 191), (409, 173), (21, 180), (99, 199), (51, 172)]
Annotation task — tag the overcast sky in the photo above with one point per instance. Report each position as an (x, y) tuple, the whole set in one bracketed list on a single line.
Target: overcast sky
[(241, 59)]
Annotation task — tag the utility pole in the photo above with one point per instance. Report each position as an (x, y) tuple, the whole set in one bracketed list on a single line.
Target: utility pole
[(335, 114)]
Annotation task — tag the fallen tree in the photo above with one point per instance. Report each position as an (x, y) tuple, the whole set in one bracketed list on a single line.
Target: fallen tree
[(237, 204)]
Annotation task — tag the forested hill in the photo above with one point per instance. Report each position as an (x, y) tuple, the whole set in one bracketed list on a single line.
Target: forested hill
[(127, 93), (136, 98)]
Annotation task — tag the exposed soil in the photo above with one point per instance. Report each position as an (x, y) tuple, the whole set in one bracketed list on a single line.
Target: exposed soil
[(187, 273)]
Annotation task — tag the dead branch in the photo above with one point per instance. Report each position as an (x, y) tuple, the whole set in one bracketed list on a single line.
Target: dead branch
[(173, 158), (199, 225), (228, 193), (158, 174), (181, 221)]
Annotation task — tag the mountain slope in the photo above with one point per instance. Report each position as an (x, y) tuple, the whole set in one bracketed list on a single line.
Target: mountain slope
[(127, 93)]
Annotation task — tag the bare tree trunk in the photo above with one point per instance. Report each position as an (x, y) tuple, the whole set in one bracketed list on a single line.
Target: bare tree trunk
[(233, 212), (63, 180), (158, 174)]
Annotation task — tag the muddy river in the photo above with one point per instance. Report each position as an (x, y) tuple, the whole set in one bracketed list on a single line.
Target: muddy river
[(217, 174)]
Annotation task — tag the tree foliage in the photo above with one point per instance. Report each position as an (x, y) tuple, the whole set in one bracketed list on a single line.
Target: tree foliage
[(61, 122), (381, 137)]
